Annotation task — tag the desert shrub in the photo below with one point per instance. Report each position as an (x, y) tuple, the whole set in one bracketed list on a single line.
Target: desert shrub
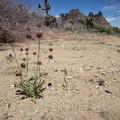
[(69, 27), (15, 18), (4, 36), (116, 30), (102, 29)]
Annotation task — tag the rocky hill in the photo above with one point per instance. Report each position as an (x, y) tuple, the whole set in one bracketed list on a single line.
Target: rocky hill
[(79, 20)]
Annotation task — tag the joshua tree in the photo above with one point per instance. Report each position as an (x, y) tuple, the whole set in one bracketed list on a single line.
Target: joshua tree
[(47, 8), (89, 23), (64, 16), (100, 14)]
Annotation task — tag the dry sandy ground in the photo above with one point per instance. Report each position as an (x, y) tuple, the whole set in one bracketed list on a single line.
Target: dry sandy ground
[(93, 66)]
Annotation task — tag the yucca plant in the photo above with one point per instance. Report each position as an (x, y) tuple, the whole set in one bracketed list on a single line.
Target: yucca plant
[(89, 23), (47, 8)]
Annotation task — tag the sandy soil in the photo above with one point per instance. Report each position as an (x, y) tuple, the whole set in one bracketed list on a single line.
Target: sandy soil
[(93, 66)]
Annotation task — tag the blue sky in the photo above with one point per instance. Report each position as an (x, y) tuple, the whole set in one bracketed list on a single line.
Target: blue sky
[(85, 6)]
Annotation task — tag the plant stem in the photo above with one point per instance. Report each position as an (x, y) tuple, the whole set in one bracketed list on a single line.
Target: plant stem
[(39, 71), (38, 55), (65, 79), (46, 65), (16, 59), (26, 66), (66, 83), (34, 65)]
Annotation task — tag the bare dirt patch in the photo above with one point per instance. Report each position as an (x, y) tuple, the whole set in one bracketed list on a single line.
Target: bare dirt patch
[(93, 66)]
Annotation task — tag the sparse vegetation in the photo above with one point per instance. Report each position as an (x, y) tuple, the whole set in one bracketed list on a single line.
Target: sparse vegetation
[(116, 29), (69, 27), (84, 74), (30, 85), (102, 29)]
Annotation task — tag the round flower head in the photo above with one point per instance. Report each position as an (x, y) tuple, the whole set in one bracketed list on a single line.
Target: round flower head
[(39, 63), (39, 35), (28, 36), (18, 74), (27, 49), (10, 55), (23, 65), (24, 59), (34, 53), (50, 49), (28, 29), (27, 53), (11, 41), (39, 25), (50, 57), (21, 49)]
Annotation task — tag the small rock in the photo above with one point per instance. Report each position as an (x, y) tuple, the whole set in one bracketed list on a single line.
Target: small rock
[(103, 73), (56, 70), (98, 68), (49, 84), (107, 91), (117, 45), (99, 87), (118, 50), (12, 86), (43, 74), (100, 82), (69, 77)]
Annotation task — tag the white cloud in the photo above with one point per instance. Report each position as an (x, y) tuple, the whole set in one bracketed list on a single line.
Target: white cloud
[(108, 8), (57, 16), (110, 19)]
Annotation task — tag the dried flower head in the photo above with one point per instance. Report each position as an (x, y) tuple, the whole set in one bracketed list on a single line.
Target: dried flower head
[(24, 59), (39, 63), (18, 74), (39, 25), (49, 84), (10, 55), (50, 56), (21, 49), (28, 36), (11, 41), (50, 49), (23, 65), (34, 53), (27, 53), (39, 35), (27, 49), (28, 29)]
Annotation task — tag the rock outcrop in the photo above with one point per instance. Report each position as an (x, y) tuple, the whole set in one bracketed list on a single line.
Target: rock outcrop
[(78, 19)]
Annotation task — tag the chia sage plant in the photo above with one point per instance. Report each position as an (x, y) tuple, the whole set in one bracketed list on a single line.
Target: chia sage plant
[(30, 86)]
